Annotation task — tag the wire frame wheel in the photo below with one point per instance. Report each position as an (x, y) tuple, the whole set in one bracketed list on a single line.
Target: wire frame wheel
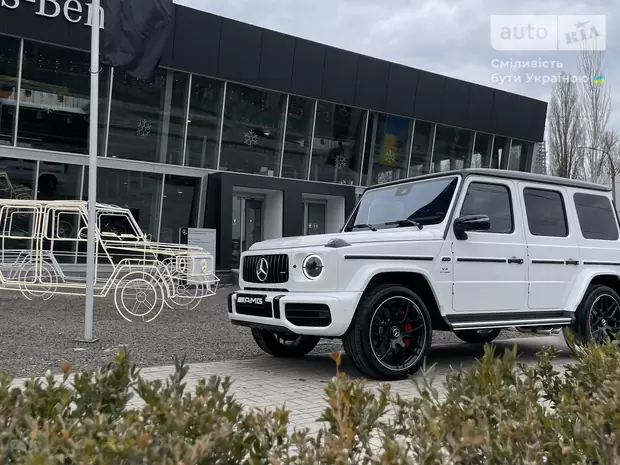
[(397, 333), (187, 296), (139, 297), (33, 288), (604, 318)]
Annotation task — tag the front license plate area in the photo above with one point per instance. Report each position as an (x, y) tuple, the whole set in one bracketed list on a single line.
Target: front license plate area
[(254, 305)]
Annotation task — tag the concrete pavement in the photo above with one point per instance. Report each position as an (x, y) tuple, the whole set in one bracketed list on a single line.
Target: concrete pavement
[(267, 382)]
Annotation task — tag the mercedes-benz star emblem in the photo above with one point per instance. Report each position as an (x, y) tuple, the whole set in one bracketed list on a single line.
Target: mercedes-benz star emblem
[(262, 268), (395, 332)]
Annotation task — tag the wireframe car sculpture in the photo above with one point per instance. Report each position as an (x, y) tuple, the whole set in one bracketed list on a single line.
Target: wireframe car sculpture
[(43, 254)]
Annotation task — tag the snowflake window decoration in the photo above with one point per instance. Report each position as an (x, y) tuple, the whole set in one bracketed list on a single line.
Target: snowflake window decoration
[(341, 161), (390, 157), (144, 128), (250, 138)]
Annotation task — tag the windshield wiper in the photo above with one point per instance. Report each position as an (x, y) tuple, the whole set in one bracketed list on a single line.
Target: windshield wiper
[(405, 223), (364, 226)]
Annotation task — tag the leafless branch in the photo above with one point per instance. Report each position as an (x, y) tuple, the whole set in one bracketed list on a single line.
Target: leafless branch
[(595, 109), (565, 130)]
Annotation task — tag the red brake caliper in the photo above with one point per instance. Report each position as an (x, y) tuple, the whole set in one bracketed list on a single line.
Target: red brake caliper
[(406, 328)]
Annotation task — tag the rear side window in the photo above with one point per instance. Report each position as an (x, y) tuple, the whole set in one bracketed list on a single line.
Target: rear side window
[(597, 219), (546, 215)]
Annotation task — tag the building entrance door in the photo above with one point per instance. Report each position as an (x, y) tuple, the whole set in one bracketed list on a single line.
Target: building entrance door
[(315, 218), (247, 225)]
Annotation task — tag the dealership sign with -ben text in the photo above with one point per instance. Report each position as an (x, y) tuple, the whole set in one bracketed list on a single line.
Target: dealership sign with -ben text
[(73, 11)]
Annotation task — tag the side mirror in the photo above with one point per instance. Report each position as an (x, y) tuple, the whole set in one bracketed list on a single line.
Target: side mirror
[(470, 223)]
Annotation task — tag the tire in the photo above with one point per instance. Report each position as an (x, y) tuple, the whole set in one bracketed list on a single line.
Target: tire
[(597, 317), (389, 319), (282, 346), (478, 336)]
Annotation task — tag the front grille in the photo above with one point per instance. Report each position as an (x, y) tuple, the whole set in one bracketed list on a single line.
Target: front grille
[(277, 269)]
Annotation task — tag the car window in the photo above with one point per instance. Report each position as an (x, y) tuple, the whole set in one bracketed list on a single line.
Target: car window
[(426, 202), (597, 219), (546, 214), (492, 200)]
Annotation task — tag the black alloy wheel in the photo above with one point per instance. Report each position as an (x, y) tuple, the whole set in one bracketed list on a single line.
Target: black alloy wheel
[(597, 317), (390, 334), (284, 345), (604, 318)]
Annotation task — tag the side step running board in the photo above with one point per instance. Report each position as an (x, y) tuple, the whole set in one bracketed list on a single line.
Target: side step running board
[(508, 319)]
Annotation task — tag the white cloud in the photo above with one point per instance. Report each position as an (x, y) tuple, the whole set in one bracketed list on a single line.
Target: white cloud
[(449, 37)]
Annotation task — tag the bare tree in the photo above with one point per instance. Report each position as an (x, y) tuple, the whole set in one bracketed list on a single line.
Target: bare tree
[(595, 109), (565, 129)]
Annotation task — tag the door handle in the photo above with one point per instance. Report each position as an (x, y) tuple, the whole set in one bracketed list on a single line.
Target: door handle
[(572, 262), (515, 260)]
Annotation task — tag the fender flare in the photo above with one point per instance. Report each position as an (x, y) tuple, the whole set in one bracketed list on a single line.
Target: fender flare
[(370, 271), (583, 282)]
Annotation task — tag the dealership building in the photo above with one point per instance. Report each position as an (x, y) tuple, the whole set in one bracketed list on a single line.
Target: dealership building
[(244, 130)]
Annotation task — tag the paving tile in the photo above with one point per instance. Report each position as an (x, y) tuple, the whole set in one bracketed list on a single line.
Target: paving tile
[(267, 382)]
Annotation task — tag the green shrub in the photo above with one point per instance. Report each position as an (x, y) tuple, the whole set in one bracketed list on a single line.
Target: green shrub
[(498, 411)]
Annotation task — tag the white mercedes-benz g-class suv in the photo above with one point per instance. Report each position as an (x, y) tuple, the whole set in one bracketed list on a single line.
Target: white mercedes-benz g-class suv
[(470, 251)]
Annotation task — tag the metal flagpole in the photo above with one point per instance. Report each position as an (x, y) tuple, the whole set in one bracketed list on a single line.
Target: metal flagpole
[(92, 172)]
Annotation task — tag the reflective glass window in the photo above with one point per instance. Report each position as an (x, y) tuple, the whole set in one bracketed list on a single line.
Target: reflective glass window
[(139, 192), (421, 148), (181, 197), (147, 118), (501, 147), (481, 158), (492, 200), (203, 125), (596, 217), (546, 214), (452, 150), (520, 155), (17, 178), (9, 60), (299, 120), (252, 133), (17, 181), (54, 102), (58, 181), (338, 144), (387, 148)]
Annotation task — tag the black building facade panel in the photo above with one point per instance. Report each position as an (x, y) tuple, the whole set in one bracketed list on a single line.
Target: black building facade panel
[(455, 103), (276, 61), (480, 107), (240, 47), (428, 96), (372, 82), (26, 21), (308, 64), (537, 119), (339, 76), (504, 115), (401, 90), (219, 208), (196, 41)]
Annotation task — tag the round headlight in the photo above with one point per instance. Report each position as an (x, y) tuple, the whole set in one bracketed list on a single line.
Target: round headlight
[(312, 266)]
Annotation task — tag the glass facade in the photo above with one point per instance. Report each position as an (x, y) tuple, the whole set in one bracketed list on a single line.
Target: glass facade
[(198, 123), (338, 143), (252, 130), (387, 148)]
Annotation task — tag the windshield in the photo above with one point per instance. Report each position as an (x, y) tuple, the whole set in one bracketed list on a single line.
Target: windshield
[(424, 202)]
